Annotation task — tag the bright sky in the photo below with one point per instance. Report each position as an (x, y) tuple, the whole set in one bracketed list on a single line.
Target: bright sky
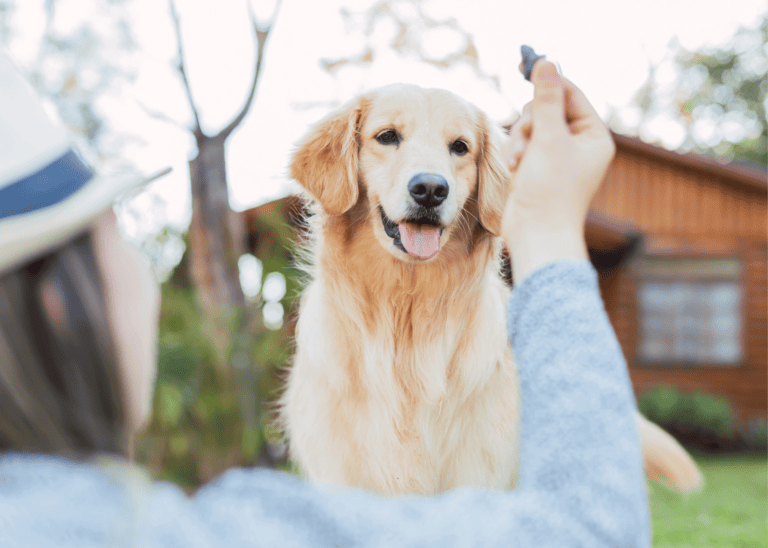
[(605, 46)]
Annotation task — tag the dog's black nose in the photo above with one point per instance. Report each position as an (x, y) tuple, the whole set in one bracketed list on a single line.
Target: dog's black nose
[(428, 189)]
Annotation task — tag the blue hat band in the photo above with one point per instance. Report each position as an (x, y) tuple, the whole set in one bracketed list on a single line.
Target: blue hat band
[(49, 186)]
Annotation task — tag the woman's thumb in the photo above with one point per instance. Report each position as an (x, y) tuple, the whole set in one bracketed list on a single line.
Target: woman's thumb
[(548, 107)]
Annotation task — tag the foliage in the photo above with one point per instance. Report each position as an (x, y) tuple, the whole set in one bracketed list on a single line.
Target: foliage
[(209, 418), (702, 421), (80, 65), (410, 30), (666, 405), (729, 512), (757, 433), (717, 95)]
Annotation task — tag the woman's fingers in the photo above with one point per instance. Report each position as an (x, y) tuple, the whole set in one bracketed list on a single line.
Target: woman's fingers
[(579, 112), (559, 109), (548, 109), (519, 135), (516, 154), (525, 124)]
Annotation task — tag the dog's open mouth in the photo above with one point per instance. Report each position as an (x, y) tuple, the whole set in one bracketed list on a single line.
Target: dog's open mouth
[(419, 237)]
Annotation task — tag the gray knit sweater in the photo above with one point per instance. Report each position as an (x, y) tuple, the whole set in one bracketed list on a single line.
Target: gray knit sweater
[(581, 479)]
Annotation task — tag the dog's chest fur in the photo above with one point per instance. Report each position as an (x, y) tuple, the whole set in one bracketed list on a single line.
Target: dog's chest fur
[(403, 380)]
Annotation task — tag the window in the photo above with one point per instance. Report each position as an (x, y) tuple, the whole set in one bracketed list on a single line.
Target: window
[(689, 311)]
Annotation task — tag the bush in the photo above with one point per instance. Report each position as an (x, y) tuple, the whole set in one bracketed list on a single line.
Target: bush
[(667, 405), (661, 405), (712, 413), (214, 404), (757, 434), (699, 420), (207, 418)]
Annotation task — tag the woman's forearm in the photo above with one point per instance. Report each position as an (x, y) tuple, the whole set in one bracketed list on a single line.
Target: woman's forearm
[(533, 247)]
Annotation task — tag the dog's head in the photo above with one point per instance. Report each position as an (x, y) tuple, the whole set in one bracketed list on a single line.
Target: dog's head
[(423, 159)]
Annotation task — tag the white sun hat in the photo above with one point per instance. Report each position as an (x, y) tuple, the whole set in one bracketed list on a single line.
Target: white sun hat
[(47, 192)]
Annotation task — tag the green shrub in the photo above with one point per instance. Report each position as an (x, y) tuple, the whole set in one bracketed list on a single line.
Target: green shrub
[(207, 418), (757, 434), (661, 405), (666, 405), (712, 413)]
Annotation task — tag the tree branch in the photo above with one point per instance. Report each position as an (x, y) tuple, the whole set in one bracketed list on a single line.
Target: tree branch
[(156, 114), (197, 129), (261, 39)]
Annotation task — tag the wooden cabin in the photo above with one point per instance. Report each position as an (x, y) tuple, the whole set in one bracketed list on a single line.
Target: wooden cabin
[(679, 241), (688, 302)]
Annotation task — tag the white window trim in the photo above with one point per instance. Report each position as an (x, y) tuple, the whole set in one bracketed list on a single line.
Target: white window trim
[(671, 269)]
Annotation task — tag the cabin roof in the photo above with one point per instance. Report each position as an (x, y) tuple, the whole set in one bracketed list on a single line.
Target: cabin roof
[(743, 175)]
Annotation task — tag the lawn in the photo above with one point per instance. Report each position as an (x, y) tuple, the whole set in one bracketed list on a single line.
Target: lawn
[(731, 511)]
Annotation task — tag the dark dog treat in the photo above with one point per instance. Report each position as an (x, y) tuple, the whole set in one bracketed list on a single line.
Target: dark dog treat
[(529, 59)]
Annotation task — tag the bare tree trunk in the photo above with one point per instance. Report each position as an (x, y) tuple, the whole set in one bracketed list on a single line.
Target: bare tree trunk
[(217, 234), (216, 240), (216, 237)]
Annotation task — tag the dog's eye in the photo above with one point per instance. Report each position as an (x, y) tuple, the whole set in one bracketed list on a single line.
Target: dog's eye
[(459, 147), (388, 137)]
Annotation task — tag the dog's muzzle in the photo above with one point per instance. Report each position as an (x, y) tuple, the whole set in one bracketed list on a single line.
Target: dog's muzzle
[(418, 235)]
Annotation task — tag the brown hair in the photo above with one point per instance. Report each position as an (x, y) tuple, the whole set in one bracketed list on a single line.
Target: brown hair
[(60, 389)]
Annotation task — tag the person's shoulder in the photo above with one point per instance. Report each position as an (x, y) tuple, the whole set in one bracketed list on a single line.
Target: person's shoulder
[(48, 501), (252, 491)]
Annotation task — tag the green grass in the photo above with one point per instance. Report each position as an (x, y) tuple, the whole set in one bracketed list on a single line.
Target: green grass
[(731, 511)]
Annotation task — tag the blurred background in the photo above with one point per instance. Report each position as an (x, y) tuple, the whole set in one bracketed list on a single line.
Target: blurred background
[(221, 91)]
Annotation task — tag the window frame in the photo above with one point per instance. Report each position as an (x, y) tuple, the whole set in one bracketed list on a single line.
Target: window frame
[(671, 363)]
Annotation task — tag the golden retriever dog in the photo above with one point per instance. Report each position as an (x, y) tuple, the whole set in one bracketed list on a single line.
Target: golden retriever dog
[(403, 379)]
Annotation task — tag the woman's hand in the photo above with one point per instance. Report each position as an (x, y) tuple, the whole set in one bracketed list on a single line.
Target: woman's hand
[(558, 153)]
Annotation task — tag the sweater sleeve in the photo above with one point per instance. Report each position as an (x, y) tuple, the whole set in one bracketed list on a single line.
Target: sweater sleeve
[(580, 445), (581, 481)]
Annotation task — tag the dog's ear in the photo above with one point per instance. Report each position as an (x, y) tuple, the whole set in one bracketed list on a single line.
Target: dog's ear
[(493, 178), (325, 163)]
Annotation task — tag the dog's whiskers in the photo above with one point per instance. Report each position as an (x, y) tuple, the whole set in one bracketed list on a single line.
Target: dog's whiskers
[(370, 215), (466, 230)]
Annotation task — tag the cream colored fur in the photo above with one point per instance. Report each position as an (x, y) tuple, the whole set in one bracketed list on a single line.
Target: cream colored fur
[(403, 379)]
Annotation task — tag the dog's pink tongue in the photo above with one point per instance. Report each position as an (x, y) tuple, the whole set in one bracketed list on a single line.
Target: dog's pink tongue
[(422, 241)]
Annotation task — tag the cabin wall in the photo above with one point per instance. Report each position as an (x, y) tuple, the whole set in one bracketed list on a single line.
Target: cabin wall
[(686, 213), (664, 200)]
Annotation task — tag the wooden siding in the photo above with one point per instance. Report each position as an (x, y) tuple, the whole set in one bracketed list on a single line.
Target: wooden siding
[(662, 199)]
